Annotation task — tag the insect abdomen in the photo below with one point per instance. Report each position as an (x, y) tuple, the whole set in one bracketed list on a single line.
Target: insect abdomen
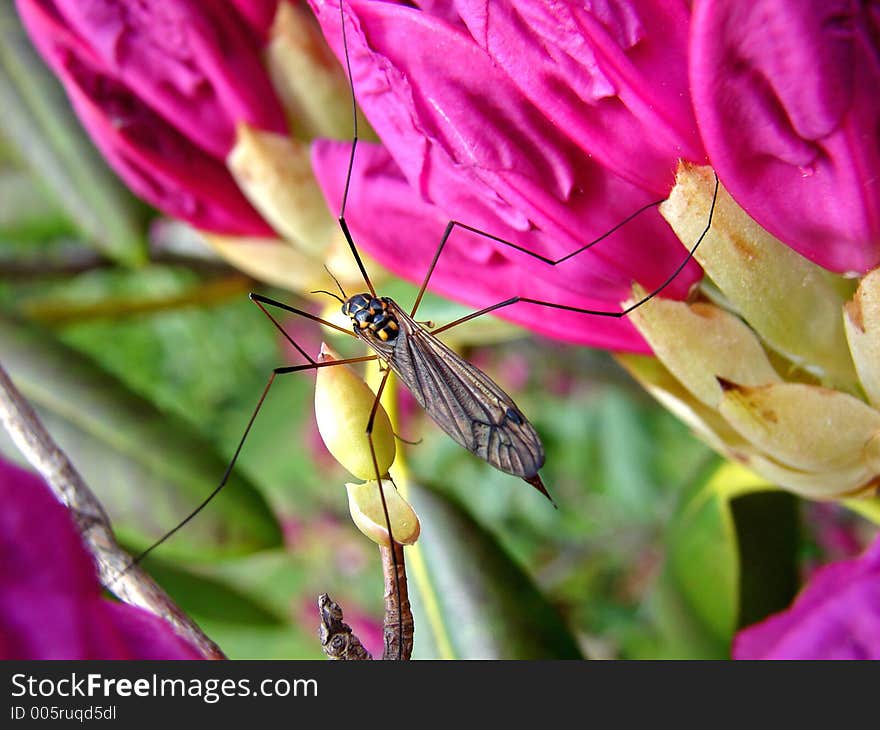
[(463, 400)]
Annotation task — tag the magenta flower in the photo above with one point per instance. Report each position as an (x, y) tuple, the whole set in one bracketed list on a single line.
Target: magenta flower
[(51, 605), (837, 616), (547, 123), (612, 77), (469, 137), (259, 14), (785, 93), (160, 87)]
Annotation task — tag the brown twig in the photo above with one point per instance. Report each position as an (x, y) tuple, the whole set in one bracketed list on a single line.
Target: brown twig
[(337, 639), (116, 569), (398, 623)]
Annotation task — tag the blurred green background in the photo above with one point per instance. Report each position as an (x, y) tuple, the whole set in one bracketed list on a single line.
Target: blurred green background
[(144, 356)]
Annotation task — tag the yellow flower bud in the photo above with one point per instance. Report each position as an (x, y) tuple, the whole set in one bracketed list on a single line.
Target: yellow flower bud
[(365, 506), (342, 408)]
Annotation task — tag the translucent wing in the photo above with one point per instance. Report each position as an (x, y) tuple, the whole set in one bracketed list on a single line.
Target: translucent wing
[(461, 399)]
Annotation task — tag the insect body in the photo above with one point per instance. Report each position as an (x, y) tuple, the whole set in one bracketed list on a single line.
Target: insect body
[(460, 398), (371, 314)]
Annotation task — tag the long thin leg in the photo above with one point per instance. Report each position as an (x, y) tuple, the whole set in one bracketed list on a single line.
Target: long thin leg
[(259, 300), (451, 226), (276, 372), (594, 312), (354, 140)]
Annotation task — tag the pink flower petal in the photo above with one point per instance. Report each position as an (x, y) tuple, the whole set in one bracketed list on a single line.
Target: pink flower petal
[(403, 232), (197, 68), (837, 616), (259, 14), (51, 606), (612, 75), (163, 120), (161, 166), (473, 147), (786, 98)]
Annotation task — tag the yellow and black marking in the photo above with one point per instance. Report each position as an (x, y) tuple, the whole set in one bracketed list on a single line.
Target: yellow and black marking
[(372, 313)]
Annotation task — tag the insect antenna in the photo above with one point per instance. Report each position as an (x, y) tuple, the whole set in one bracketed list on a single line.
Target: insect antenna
[(341, 290), (329, 294), (330, 273)]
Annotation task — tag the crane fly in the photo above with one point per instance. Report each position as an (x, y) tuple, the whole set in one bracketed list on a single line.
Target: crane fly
[(465, 402)]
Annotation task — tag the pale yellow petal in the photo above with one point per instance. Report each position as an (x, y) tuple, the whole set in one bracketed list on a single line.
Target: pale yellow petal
[(275, 173), (808, 428), (862, 321), (308, 79), (365, 506), (705, 422), (699, 343), (831, 484), (269, 260), (790, 302)]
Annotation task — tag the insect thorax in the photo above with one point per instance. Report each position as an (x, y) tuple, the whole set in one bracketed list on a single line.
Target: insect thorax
[(372, 313)]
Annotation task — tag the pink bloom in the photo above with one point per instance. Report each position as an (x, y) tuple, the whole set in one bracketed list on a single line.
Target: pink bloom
[(51, 605), (462, 140), (259, 14), (546, 123), (837, 616), (160, 87), (785, 93), (611, 75)]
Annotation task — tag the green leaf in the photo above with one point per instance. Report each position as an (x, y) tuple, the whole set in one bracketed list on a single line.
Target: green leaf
[(730, 560), (767, 541), (149, 469), (627, 450), (25, 214), (206, 598), (38, 120), (471, 600)]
